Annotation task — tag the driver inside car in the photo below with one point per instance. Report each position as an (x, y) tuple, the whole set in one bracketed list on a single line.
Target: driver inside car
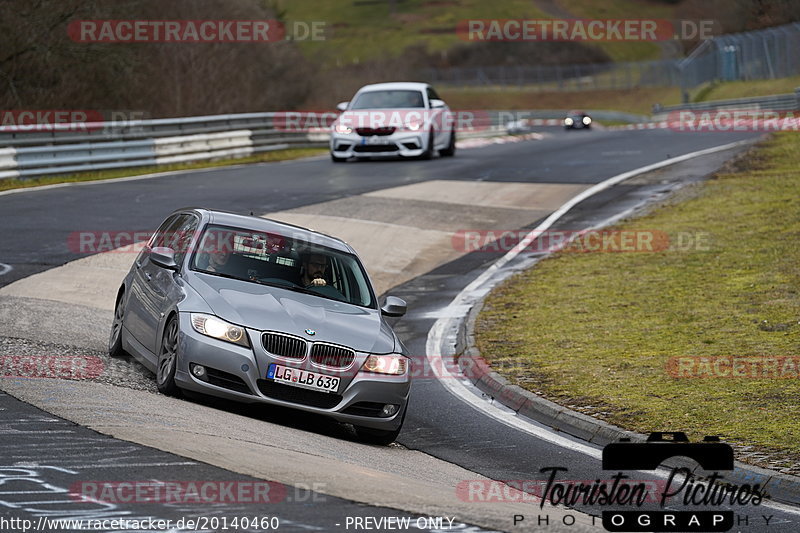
[(313, 268)]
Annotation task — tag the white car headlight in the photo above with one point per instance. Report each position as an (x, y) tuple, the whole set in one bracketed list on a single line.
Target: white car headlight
[(219, 329), (587, 121), (341, 128), (568, 121), (413, 125), (393, 364)]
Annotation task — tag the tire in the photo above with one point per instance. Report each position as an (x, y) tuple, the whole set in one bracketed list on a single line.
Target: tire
[(115, 339), (450, 151), (428, 153), (379, 436), (168, 359), (338, 159)]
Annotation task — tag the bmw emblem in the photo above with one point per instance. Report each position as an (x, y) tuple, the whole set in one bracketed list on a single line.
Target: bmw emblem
[(311, 332)]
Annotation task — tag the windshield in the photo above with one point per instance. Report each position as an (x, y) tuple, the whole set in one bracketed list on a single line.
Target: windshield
[(388, 100), (283, 261)]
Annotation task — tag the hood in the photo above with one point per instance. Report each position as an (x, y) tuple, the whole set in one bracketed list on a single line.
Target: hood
[(274, 309), (385, 118)]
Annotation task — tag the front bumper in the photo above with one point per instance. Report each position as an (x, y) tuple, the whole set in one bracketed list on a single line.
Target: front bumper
[(238, 373), (400, 143)]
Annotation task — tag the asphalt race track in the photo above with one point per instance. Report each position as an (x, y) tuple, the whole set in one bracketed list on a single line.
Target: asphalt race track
[(124, 432)]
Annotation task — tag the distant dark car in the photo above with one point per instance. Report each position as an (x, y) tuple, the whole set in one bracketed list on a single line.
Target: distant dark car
[(577, 120), (257, 311)]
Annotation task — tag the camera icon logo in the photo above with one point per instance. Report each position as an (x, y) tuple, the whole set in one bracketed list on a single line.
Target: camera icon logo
[(711, 454)]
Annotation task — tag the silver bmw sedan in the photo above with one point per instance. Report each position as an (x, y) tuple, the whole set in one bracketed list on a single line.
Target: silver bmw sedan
[(254, 310)]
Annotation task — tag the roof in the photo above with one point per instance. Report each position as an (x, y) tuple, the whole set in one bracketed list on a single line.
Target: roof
[(396, 85), (268, 225)]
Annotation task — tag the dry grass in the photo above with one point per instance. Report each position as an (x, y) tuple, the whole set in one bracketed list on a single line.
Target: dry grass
[(597, 331)]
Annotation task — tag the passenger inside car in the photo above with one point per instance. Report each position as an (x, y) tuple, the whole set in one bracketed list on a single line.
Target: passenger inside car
[(215, 253)]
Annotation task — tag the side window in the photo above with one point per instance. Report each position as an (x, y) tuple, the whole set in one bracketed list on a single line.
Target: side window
[(176, 233), (432, 95), (162, 235), (157, 239), (183, 237)]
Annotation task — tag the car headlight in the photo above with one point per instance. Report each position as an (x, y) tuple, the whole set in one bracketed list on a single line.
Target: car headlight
[(393, 364), (341, 128), (568, 121), (219, 329), (413, 125), (587, 121)]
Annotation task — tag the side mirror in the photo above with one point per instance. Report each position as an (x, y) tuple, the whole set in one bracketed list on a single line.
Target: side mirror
[(394, 306), (435, 104), (164, 257), (342, 106)]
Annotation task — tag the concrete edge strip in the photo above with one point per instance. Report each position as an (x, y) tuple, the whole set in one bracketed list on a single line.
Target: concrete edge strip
[(459, 328)]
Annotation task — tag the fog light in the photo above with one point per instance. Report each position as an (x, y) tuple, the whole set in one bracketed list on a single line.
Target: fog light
[(388, 410), (199, 371)]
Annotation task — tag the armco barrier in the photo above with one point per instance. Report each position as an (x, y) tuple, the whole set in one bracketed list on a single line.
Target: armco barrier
[(27, 151), (776, 102)]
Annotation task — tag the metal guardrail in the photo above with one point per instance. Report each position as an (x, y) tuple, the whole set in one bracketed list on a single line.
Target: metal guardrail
[(27, 151), (777, 102), (67, 148)]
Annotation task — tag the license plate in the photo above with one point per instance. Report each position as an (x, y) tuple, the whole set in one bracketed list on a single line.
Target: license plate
[(303, 378), (375, 140)]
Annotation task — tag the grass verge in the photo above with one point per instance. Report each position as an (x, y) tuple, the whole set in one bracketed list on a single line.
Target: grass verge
[(638, 100), (633, 100), (598, 331), (264, 157), (743, 89)]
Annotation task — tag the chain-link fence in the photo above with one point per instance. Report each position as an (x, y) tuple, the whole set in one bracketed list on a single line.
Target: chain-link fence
[(762, 54), (755, 55)]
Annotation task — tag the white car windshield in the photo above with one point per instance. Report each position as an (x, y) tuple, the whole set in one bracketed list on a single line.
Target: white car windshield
[(388, 100), (283, 261)]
